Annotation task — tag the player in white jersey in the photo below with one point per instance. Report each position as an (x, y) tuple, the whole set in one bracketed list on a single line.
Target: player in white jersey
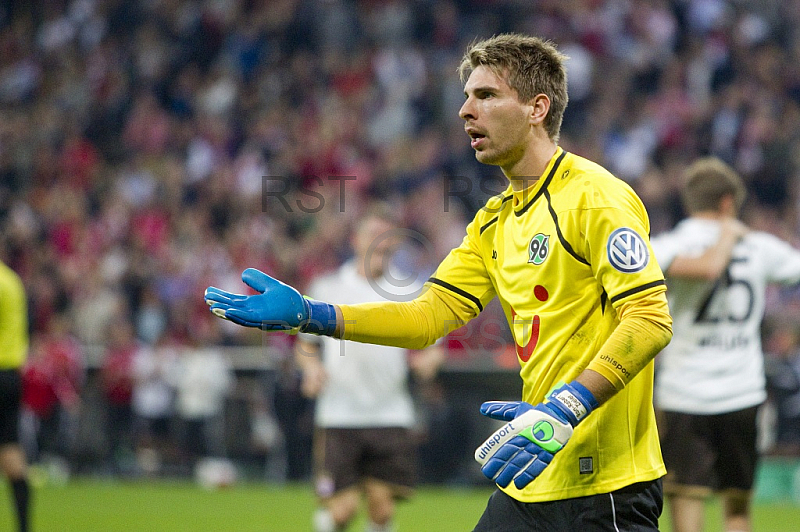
[(364, 411), (710, 379)]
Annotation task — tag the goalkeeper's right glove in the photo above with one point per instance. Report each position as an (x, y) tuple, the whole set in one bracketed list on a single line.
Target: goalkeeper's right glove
[(522, 448), (276, 307)]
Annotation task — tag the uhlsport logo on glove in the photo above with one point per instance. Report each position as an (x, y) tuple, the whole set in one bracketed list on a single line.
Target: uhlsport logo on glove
[(501, 435), (542, 433), (534, 426), (521, 449)]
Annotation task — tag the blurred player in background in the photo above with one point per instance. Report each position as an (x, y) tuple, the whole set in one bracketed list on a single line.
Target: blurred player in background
[(53, 380), (14, 351), (565, 249), (710, 380), (363, 442)]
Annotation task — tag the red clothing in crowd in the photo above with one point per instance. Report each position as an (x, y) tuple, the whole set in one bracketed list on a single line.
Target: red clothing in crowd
[(53, 375)]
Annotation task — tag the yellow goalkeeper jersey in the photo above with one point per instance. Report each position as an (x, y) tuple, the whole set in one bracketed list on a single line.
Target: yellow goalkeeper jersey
[(13, 320), (566, 257)]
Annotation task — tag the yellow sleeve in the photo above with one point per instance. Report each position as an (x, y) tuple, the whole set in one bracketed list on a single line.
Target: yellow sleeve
[(463, 272), (456, 293), (411, 324), (617, 242), (645, 328)]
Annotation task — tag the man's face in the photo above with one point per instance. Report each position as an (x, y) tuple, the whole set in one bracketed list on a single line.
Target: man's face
[(494, 118), (374, 245)]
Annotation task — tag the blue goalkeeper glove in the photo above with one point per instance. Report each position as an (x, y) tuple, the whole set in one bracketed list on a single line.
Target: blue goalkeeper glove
[(276, 307), (523, 447)]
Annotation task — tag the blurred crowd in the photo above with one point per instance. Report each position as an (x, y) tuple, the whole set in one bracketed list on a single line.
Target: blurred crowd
[(151, 148)]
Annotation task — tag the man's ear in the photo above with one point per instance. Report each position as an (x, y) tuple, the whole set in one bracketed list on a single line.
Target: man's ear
[(540, 106)]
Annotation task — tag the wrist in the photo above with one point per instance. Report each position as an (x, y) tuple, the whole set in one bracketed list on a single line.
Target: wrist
[(321, 318), (574, 401)]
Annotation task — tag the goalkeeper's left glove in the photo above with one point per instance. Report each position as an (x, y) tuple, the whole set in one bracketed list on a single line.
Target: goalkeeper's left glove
[(523, 447), (276, 307)]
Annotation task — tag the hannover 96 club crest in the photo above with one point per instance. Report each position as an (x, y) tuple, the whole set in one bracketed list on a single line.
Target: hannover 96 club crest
[(538, 249)]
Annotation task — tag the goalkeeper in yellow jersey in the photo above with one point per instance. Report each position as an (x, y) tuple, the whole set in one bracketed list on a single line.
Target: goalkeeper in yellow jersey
[(566, 251)]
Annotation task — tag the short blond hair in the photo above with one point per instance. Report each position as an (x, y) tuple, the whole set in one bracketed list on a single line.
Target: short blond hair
[(529, 65), (707, 181)]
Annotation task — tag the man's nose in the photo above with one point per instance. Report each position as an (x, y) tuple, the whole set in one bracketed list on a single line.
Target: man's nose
[(467, 111)]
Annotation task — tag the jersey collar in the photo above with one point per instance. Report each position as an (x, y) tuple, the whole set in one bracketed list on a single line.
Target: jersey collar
[(540, 186)]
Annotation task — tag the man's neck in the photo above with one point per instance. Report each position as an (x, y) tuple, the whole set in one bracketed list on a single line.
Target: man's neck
[(708, 215), (531, 166)]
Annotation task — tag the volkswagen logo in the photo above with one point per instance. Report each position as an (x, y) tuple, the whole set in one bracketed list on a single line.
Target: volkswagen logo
[(627, 251)]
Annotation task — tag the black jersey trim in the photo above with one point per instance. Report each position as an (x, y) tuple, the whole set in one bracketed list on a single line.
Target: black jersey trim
[(457, 290), (541, 191), (567, 245), (636, 290), (488, 224)]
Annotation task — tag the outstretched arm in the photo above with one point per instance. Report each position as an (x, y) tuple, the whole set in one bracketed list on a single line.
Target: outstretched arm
[(412, 324), (279, 307)]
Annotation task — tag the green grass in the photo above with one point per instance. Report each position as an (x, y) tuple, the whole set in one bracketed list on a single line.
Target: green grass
[(105, 506)]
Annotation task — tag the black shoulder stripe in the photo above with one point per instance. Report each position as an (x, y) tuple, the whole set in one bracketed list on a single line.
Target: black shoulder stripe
[(457, 290), (636, 290), (544, 185), (567, 245), (488, 224)]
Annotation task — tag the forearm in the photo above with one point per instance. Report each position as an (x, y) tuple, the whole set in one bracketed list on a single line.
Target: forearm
[(601, 388), (720, 255), (641, 334), (714, 260), (413, 324)]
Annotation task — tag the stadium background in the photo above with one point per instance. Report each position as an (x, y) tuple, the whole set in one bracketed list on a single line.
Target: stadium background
[(149, 149)]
